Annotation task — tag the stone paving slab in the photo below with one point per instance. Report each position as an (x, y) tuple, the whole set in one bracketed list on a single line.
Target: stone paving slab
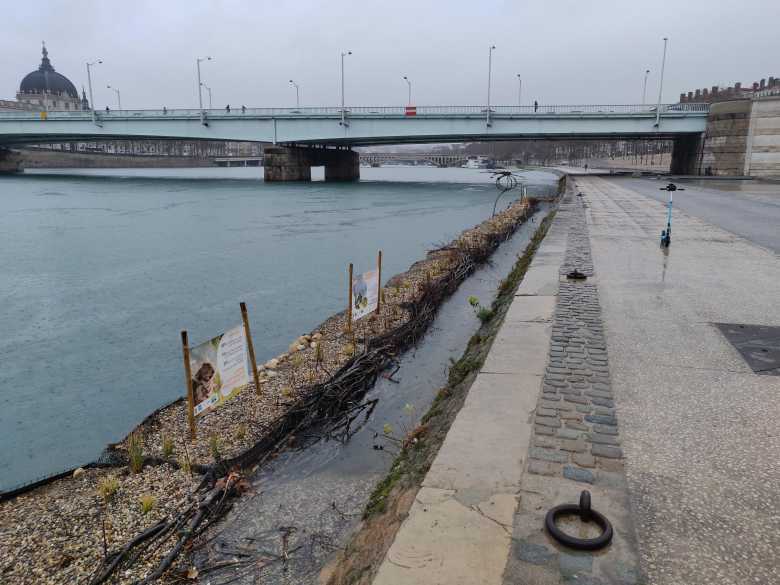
[(539, 280), (444, 542), (493, 468), (517, 349), (531, 309)]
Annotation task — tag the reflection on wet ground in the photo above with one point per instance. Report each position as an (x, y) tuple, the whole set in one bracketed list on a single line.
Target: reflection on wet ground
[(748, 208)]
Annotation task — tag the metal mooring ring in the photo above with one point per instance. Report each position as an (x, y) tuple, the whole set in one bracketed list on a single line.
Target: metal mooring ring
[(586, 514)]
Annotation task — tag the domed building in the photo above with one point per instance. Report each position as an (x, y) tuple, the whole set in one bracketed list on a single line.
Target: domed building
[(49, 90)]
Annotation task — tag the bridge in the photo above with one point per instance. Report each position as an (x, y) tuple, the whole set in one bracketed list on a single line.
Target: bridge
[(306, 137), (438, 159)]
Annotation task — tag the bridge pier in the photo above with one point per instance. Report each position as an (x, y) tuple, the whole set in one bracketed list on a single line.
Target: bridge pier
[(686, 154), (293, 163), (10, 161)]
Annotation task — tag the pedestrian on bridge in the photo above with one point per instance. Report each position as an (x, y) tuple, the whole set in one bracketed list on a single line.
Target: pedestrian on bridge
[(536, 106), (227, 108), (243, 109)]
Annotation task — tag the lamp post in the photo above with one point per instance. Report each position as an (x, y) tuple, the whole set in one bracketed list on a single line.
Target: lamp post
[(118, 96), (661, 88), (298, 95), (519, 90), (490, 73), (89, 83), (343, 111), (200, 84), (644, 87), (208, 89), (409, 83)]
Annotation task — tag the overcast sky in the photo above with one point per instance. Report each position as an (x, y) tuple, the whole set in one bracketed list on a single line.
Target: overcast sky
[(568, 52)]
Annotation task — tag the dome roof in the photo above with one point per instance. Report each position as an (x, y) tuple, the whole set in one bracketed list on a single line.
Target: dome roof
[(46, 79)]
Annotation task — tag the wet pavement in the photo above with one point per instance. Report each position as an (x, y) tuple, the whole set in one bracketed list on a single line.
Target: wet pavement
[(748, 208), (307, 502), (699, 427)]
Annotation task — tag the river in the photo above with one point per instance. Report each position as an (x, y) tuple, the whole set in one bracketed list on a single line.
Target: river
[(102, 269)]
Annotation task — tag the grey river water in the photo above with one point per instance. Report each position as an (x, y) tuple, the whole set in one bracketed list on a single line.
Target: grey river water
[(100, 270)]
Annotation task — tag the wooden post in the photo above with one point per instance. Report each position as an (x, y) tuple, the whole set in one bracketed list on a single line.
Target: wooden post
[(349, 300), (185, 346), (379, 279), (250, 347)]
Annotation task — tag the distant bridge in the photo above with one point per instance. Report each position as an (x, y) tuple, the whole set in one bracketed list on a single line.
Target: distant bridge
[(355, 126), (439, 159)]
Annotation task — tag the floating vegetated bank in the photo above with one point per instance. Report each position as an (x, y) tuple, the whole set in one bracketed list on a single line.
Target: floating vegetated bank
[(60, 532)]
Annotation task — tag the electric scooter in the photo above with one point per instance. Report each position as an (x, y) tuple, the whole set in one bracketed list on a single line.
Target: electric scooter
[(666, 235)]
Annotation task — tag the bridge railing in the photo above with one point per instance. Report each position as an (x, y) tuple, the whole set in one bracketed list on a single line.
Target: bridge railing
[(378, 111)]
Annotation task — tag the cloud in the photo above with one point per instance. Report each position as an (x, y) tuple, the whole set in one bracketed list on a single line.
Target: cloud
[(567, 52)]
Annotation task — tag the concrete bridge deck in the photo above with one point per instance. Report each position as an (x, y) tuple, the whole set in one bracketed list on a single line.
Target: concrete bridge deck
[(358, 126)]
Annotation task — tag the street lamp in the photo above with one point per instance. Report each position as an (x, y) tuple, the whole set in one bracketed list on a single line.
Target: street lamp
[(118, 97), (644, 87), (89, 83), (208, 89), (661, 87), (519, 90), (490, 73), (297, 95), (343, 111), (409, 83), (200, 84)]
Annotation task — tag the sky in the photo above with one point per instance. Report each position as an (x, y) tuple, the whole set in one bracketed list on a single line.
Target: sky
[(567, 52)]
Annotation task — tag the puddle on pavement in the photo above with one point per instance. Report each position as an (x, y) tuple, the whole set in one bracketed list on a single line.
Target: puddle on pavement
[(306, 502)]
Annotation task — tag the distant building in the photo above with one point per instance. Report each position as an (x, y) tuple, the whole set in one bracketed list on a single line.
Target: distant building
[(720, 94), (48, 90), (14, 106)]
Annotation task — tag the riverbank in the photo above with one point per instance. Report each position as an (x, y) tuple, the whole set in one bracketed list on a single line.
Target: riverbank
[(394, 496), (52, 159), (105, 268), (537, 426), (73, 511)]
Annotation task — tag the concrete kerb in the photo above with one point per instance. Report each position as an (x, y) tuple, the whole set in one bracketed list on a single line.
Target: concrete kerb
[(459, 529)]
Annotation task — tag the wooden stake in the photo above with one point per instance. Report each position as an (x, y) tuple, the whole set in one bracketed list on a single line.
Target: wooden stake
[(349, 300), (188, 381), (381, 291), (250, 347)]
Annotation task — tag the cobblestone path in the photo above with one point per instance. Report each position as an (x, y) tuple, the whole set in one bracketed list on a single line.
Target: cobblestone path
[(576, 442)]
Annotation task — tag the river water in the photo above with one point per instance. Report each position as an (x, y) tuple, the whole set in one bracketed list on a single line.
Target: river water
[(102, 269)]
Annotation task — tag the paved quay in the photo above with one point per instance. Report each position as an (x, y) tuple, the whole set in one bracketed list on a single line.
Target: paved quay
[(459, 529), (538, 426), (700, 429), (621, 384)]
